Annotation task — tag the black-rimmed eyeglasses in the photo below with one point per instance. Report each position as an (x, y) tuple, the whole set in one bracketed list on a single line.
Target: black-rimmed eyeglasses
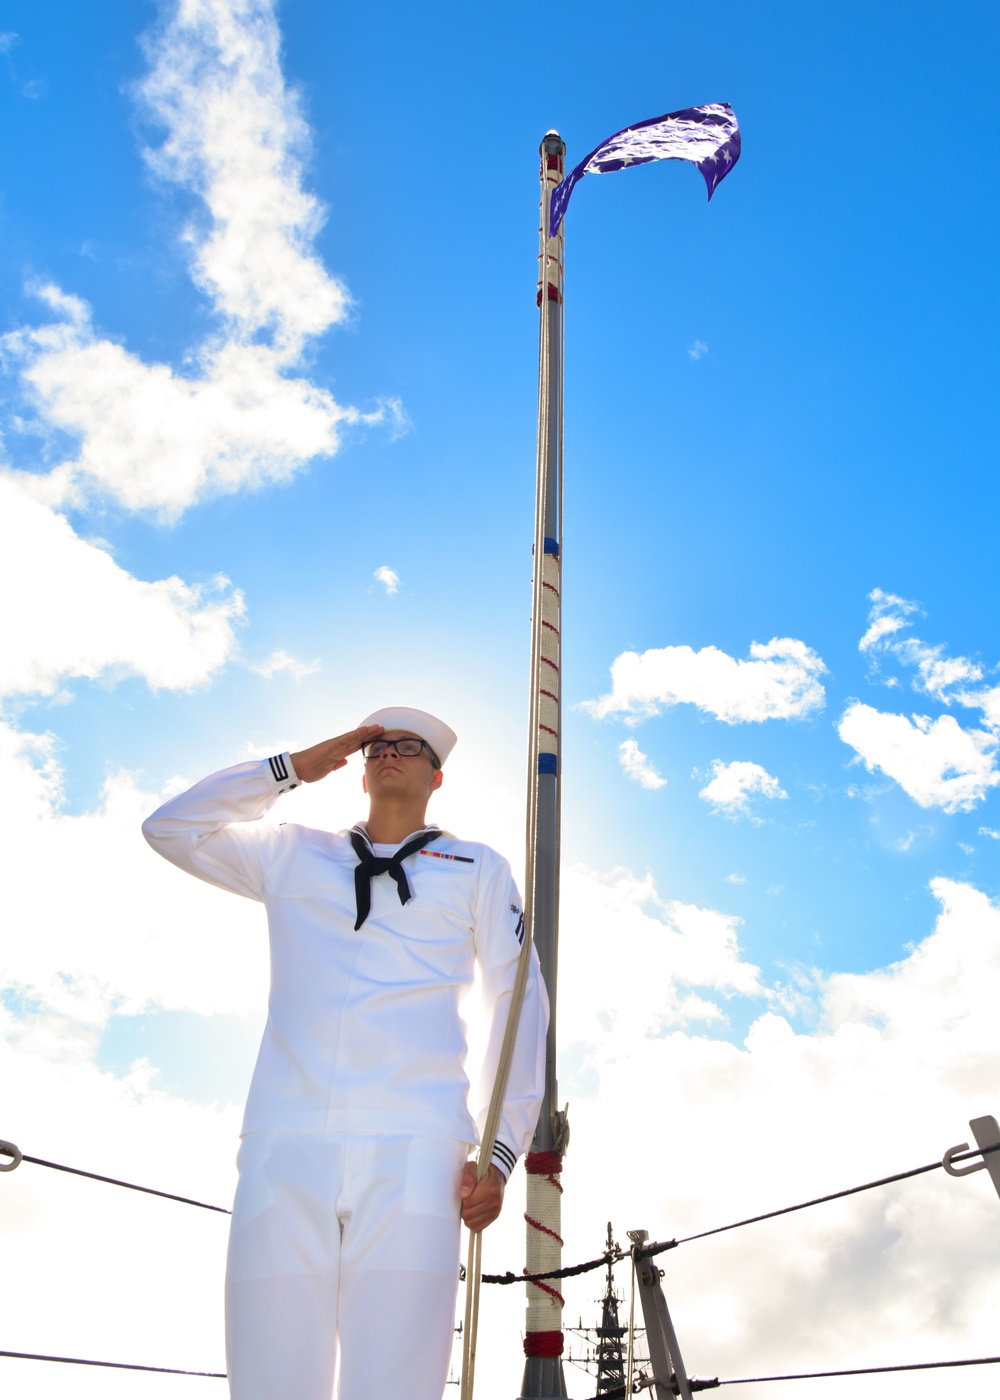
[(406, 748)]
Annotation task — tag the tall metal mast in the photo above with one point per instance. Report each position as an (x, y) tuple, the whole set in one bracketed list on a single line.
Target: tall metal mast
[(543, 1342), (610, 1352)]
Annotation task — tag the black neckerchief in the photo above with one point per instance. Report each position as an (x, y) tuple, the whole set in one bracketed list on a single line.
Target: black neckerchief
[(369, 865)]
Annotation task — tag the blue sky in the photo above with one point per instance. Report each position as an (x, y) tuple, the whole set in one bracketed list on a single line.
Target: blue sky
[(270, 328)]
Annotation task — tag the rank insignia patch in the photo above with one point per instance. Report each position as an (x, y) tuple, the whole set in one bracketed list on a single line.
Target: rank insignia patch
[(516, 914)]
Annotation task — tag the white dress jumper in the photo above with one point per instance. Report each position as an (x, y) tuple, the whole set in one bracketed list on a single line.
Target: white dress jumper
[(346, 1219)]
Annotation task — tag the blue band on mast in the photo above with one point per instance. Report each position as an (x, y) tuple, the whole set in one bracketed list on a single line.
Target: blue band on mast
[(551, 546), (546, 763)]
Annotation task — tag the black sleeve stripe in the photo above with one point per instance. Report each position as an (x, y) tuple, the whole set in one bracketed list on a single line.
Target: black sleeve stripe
[(504, 1156), (279, 768)]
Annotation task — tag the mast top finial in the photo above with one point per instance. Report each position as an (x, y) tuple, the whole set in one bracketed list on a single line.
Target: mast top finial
[(552, 144)]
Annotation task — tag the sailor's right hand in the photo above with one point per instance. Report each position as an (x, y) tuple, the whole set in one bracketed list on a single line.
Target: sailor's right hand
[(326, 757)]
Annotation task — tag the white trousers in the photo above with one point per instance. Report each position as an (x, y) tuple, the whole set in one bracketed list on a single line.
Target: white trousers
[(349, 1240)]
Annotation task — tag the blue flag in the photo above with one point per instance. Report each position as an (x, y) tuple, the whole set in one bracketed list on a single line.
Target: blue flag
[(709, 137)]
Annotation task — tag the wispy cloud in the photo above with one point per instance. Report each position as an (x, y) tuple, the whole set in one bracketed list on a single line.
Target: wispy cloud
[(734, 784), (735, 879), (938, 762), (234, 416), (698, 349), (234, 134), (281, 661), (991, 832), (943, 677), (638, 767), (388, 577), (7, 40), (888, 614), (906, 843), (780, 681)]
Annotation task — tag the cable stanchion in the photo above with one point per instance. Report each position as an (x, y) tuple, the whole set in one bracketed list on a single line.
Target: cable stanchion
[(113, 1365)]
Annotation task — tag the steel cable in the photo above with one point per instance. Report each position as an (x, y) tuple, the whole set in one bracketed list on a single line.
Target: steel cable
[(129, 1185), (114, 1365), (820, 1200), (619, 1391), (568, 1272), (571, 1270)]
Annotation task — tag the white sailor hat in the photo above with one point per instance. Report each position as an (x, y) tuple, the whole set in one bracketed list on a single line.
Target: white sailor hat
[(432, 730)]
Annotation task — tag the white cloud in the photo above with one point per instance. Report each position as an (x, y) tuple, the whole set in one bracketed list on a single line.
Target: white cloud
[(153, 1268), (235, 135), (638, 766), (389, 577), (72, 611), (991, 832), (233, 417), (281, 660), (936, 989), (690, 959), (103, 926), (944, 678), (735, 879), (733, 785), (940, 763), (158, 440), (780, 681), (698, 349), (937, 762), (937, 673), (902, 1058), (7, 40), (922, 834), (888, 615)]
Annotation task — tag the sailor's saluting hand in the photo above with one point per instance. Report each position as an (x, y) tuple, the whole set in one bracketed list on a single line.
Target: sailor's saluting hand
[(326, 757)]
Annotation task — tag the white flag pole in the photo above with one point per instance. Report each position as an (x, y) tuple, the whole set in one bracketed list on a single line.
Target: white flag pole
[(543, 1341)]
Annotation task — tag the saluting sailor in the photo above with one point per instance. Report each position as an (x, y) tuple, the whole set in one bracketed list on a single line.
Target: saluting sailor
[(353, 1170)]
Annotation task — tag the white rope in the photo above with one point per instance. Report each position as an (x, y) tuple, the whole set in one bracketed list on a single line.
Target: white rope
[(474, 1264)]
